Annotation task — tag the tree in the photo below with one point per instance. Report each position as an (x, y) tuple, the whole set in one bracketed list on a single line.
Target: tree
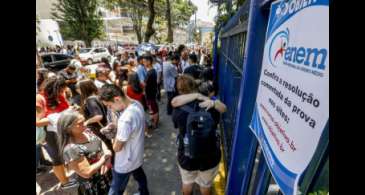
[(136, 10), (159, 15), (79, 19), (160, 35), (170, 33), (38, 29), (182, 10), (177, 14), (151, 18)]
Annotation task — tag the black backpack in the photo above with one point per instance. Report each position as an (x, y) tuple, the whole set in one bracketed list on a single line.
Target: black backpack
[(200, 138)]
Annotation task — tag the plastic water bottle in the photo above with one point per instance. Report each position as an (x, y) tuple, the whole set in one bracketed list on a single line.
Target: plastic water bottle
[(186, 145)]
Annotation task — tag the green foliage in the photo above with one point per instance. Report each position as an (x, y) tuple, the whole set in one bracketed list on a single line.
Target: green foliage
[(181, 12), (79, 20), (319, 192), (137, 10), (37, 24)]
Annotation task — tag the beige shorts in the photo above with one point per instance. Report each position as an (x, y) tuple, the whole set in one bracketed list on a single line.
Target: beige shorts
[(202, 178)]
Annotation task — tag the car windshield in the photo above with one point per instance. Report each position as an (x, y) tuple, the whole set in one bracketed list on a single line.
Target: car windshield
[(85, 50)]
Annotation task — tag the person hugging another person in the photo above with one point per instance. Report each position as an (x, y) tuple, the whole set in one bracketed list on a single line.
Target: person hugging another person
[(198, 153)]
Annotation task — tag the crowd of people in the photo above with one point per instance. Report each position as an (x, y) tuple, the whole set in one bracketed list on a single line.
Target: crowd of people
[(97, 126)]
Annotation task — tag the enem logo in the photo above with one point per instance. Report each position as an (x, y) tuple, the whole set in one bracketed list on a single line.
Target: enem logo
[(278, 46), (280, 51)]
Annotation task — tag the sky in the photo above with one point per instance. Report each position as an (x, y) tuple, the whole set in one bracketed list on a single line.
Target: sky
[(204, 12)]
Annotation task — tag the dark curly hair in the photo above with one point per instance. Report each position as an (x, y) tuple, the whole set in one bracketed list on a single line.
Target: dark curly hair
[(52, 89)]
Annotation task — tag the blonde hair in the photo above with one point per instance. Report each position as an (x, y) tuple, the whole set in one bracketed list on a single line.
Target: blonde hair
[(186, 84)]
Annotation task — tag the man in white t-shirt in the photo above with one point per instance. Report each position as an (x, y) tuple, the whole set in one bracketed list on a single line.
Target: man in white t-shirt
[(101, 77), (128, 144), (184, 59)]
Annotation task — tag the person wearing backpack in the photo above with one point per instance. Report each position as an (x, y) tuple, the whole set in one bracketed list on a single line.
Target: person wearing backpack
[(196, 116)]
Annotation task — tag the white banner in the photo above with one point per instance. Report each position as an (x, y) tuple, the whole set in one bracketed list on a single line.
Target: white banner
[(292, 101)]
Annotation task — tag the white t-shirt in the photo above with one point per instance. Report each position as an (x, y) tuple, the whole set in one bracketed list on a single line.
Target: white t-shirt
[(202, 59), (53, 118), (184, 65), (157, 67), (100, 84), (131, 126)]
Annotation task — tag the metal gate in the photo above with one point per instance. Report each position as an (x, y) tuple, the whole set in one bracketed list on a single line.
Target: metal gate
[(238, 54)]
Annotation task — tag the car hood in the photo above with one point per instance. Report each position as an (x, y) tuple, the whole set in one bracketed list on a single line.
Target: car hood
[(84, 55)]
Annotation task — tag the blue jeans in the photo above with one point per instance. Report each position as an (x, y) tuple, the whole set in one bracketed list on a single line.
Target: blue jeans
[(170, 96), (120, 181), (37, 154)]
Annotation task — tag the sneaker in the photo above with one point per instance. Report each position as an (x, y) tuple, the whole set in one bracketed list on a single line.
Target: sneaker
[(69, 185), (148, 135)]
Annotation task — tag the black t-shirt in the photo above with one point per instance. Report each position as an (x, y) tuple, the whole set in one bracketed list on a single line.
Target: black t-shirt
[(179, 118), (68, 76), (194, 71), (94, 107), (207, 74), (151, 84)]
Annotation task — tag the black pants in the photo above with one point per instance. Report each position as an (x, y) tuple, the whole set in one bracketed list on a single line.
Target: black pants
[(170, 96), (158, 96), (53, 149)]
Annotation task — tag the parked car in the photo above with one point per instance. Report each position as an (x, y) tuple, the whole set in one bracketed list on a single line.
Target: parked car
[(55, 61), (145, 47), (92, 55)]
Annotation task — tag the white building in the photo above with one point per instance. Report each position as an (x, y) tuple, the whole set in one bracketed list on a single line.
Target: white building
[(49, 31)]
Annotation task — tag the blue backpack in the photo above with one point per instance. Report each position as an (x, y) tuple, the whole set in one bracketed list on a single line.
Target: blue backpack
[(200, 139)]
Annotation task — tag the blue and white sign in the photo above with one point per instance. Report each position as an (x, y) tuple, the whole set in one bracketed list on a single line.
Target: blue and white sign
[(292, 105)]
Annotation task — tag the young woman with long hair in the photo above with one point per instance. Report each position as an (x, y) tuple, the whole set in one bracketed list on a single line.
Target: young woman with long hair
[(93, 109)]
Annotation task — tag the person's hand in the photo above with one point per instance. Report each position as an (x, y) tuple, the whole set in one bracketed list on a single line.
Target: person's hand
[(105, 168), (86, 123), (105, 130), (105, 157), (75, 107), (111, 126), (202, 97), (107, 154), (207, 104)]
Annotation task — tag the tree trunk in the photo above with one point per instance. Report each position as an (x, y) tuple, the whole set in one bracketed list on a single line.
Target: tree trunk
[(149, 29), (170, 33), (88, 41), (137, 23), (138, 33)]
